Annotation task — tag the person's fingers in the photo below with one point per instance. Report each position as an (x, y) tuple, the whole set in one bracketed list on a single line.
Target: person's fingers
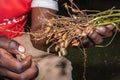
[(26, 75), (31, 72), (87, 42), (111, 30), (11, 63), (101, 30), (105, 31), (15, 47), (82, 42), (11, 45), (110, 27), (95, 37)]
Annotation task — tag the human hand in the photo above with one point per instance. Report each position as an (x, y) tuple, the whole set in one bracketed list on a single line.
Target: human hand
[(12, 68), (97, 35)]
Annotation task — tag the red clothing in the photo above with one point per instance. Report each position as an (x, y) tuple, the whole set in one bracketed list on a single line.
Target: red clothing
[(13, 16)]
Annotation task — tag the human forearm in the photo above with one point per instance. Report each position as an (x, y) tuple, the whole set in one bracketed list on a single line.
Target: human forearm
[(38, 13)]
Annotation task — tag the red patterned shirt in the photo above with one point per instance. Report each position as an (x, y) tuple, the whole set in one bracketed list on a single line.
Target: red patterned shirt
[(13, 14)]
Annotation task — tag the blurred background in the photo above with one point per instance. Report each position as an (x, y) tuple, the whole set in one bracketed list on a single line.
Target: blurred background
[(102, 63)]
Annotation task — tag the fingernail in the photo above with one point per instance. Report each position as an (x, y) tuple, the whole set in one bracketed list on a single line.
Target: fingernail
[(101, 29), (110, 27), (21, 49)]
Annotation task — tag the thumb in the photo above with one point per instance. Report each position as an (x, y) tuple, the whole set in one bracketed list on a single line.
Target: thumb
[(15, 47), (11, 45)]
